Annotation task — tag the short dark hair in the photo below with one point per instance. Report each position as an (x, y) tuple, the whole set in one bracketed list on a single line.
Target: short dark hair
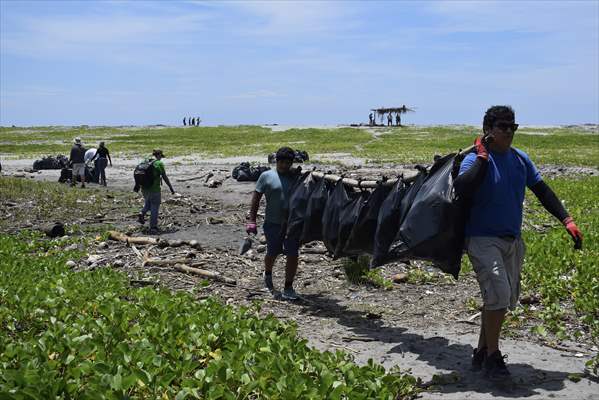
[(285, 153), (498, 113), (157, 152)]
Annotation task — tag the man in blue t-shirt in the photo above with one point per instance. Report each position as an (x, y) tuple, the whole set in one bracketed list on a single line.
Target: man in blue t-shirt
[(494, 179), (276, 185)]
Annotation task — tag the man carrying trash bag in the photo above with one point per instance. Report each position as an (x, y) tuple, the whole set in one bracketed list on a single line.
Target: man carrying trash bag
[(276, 185), (494, 179)]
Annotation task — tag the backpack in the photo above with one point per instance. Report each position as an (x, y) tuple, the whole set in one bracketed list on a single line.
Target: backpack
[(144, 173)]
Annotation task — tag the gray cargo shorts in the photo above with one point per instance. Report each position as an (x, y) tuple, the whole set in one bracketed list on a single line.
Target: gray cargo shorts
[(78, 170), (497, 263)]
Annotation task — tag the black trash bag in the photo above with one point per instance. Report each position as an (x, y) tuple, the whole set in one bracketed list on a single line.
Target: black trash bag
[(433, 228), (299, 156), (90, 175), (242, 166), (361, 238), (348, 217), (312, 229), (388, 222), (338, 199), (244, 172), (66, 174), (51, 162), (298, 205)]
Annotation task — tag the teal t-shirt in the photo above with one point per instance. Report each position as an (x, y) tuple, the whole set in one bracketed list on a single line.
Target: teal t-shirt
[(276, 187), (158, 171)]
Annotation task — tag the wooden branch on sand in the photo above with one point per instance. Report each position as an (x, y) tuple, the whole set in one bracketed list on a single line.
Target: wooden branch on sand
[(164, 263), (205, 274), (180, 265), (121, 237), (193, 178), (131, 240)]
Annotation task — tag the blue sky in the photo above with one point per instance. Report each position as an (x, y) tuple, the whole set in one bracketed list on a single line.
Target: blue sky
[(304, 63)]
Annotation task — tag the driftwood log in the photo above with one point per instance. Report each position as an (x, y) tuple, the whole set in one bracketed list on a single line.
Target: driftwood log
[(180, 264), (205, 274), (372, 183), (132, 240), (121, 237), (193, 178)]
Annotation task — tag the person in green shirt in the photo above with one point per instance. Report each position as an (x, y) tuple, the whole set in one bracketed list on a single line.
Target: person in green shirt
[(151, 193)]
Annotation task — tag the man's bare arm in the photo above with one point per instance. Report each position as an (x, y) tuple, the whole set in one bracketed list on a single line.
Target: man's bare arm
[(254, 205)]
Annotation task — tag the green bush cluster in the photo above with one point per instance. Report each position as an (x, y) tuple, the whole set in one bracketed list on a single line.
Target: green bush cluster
[(88, 335)]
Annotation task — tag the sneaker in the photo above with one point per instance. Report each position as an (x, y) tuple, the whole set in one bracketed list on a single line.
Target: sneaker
[(268, 282), (141, 218), (478, 359), (495, 368), (289, 294), (154, 231)]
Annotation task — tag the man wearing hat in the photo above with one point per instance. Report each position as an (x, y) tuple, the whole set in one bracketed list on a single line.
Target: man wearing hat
[(151, 193), (276, 184), (77, 160)]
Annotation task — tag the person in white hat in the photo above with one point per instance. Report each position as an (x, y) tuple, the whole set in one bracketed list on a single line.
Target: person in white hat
[(77, 160)]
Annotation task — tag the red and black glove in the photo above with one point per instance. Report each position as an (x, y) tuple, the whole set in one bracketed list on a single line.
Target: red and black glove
[(481, 149), (573, 231)]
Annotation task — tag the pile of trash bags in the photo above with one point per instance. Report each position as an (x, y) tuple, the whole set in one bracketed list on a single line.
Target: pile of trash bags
[(51, 162), (244, 172), (299, 157), (419, 219), (66, 175)]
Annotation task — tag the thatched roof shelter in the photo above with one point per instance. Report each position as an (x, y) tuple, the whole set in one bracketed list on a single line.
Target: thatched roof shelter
[(397, 110)]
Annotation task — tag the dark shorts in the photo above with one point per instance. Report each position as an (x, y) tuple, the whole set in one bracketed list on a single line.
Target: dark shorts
[(276, 243)]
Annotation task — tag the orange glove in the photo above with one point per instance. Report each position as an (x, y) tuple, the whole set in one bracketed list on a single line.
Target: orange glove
[(573, 231), (481, 150)]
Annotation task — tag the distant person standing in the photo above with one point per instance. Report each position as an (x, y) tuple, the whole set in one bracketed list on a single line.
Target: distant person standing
[(389, 119), (184, 123), (102, 158), (198, 120), (370, 119), (77, 160), (398, 119), (151, 193)]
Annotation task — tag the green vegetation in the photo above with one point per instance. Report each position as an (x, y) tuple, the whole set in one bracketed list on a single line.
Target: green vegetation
[(358, 271), (41, 202), (572, 146), (556, 271), (59, 339)]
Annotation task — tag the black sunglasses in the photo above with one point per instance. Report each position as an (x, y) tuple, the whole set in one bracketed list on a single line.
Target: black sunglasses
[(504, 126)]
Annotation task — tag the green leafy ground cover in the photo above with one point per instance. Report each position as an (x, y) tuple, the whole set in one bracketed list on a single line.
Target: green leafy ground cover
[(414, 144), (567, 280), (51, 201), (59, 339)]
